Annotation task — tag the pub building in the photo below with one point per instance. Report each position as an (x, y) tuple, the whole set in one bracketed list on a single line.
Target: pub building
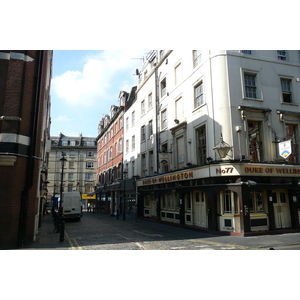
[(237, 198), (187, 101)]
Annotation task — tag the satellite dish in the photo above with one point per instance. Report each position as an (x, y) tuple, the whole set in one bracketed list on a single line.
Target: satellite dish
[(137, 72)]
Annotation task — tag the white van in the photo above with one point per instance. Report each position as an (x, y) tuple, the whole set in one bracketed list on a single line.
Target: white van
[(72, 205)]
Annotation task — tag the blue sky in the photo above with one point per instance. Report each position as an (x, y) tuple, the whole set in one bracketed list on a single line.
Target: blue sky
[(85, 84)]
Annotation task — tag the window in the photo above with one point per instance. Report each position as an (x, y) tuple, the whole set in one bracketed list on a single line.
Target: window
[(255, 141), (201, 145), (150, 128), (72, 143), (72, 155), (144, 166), (70, 177), (71, 165), (133, 143), (178, 74), (198, 90), (143, 133), (286, 90), (164, 121), (90, 143), (127, 124), (132, 168), (110, 153), (121, 122), (151, 163), (188, 202), (143, 107), (196, 57), (246, 51), (281, 54), (256, 202), (64, 143), (89, 164), (229, 203), (163, 87), (250, 85), (127, 146), (162, 53), (133, 118), (164, 148), (120, 146), (89, 176), (150, 104), (104, 157), (90, 154)]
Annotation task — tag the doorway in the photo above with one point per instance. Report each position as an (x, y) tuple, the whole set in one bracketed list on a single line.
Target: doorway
[(281, 209), (199, 209)]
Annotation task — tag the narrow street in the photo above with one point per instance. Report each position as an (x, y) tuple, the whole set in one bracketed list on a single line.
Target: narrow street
[(102, 232)]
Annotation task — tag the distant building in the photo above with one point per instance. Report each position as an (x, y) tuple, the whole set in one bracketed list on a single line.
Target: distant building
[(110, 145), (79, 170), (24, 143)]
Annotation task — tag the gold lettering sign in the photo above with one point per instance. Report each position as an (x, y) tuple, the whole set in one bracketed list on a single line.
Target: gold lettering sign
[(168, 178)]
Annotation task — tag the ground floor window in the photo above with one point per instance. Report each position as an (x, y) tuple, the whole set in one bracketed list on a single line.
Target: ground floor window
[(170, 201), (188, 202), (256, 204), (228, 203)]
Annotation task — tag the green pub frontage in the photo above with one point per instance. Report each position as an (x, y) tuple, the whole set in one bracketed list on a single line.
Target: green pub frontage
[(234, 198)]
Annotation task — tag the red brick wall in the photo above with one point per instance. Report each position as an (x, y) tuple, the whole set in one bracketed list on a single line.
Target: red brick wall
[(18, 85)]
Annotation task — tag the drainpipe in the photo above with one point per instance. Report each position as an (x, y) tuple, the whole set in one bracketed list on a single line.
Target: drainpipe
[(157, 118), (31, 153)]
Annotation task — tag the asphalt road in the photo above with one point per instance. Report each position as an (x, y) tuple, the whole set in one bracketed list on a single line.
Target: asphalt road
[(102, 232)]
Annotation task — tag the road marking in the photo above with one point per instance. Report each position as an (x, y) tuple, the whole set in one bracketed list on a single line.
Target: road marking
[(140, 246), (72, 242), (175, 248), (147, 234), (220, 244)]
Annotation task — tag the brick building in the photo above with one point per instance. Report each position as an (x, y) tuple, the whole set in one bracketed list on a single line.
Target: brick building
[(24, 143), (110, 171)]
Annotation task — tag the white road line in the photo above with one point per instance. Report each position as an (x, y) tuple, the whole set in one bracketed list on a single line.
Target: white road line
[(147, 234), (140, 246)]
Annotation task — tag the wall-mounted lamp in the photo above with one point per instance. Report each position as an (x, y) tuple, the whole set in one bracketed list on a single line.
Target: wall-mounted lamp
[(222, 148)]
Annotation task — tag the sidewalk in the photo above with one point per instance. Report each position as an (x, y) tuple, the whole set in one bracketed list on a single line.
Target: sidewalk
[(47, 239)]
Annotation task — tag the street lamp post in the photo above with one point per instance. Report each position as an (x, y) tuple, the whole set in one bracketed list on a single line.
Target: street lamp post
[(61, 211)]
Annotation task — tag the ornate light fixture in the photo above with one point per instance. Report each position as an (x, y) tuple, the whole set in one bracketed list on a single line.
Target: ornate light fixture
[(222, 148)]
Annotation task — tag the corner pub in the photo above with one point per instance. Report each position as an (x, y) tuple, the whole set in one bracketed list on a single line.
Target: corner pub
[(233, 198)]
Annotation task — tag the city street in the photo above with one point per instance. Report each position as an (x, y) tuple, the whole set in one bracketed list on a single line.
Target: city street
[(102, 232)]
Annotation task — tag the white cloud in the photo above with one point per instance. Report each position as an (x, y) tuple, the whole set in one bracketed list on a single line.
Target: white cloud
[(63, 119), (99, 75)]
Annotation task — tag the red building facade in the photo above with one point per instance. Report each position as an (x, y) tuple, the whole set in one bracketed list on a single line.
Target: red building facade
[(24, 143)]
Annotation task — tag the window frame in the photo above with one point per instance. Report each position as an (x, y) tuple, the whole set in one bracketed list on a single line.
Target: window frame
[(197, 57), (201, 95), (164, 119), (286, 92)]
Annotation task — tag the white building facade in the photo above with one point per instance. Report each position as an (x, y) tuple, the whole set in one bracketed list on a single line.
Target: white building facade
[(187, 103)]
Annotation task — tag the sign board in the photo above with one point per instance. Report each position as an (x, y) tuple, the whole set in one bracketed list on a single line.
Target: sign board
[(285, 149), (164, 158)]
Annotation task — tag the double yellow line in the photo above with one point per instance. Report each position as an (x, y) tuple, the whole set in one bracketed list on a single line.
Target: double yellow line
[(73, 242)]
